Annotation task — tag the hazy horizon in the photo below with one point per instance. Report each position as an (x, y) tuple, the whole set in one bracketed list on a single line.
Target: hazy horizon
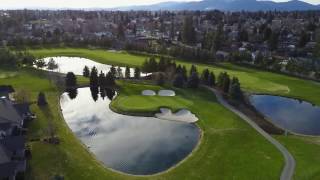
[(83, 4)]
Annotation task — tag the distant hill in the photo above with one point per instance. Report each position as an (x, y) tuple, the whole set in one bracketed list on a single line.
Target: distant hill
[(227, 5)]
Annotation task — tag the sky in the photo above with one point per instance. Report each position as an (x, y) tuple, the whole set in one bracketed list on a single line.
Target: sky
[(20, 4)]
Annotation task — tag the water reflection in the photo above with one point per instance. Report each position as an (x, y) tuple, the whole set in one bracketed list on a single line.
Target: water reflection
[(76, 65), (72, 92), (295, 115), (135, 145)]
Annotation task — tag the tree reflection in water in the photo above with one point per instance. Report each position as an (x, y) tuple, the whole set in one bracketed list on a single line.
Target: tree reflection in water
[(72, 92)]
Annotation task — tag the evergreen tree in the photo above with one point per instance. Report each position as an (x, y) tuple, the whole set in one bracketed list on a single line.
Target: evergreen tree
[(193, 81), (127, 73), (86, 71), (188, 33), (220, 79), (235, 92), (94, 82), (113, 71), (193, 69), (119, 72), (162, 64), (205, 76), (178, 80), (153, 65), (52, 65), (184, 73), (226, 83), (42, 101), (211, 79), (137, 73), (109, 79), (71, 80), (160, 79), (101, 80)]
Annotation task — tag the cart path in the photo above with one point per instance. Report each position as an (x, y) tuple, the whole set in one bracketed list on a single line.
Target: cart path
[(288, 169)]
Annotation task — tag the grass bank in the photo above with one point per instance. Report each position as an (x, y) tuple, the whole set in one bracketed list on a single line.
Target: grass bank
[(252, 80), (229, 148)]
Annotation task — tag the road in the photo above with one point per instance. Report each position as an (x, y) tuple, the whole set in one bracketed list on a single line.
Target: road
[(288, 170)]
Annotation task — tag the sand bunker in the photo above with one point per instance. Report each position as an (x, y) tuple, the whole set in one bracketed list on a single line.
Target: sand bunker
[(182, 115), (166, 93), (148, 93)]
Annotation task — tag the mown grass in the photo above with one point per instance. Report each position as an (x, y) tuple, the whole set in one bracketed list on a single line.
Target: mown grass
[(229, 147), (252, 80)]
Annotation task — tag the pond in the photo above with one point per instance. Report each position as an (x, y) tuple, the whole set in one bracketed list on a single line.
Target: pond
[(294, 115), (77, 64), (133, 145)]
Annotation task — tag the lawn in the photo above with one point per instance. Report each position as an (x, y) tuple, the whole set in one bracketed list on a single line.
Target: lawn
[(251, 79), (229, 149), (228, 144)]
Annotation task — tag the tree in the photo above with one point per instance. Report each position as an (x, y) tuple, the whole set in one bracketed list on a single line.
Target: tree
[(235, 92), (193, 69), (178, 80), (94, 82), (119, 72), (193, 81), (113, 71), (110, 80), (101, 80), (218, 38), (127, 73), (273, 41), (160, 79), (226, 83), (40, 63), (28, 59), (120, 32), (71, 80), (86, 71), (42, 101), (188, 31), (211, 79), (137, 73), (153, 65), (243, 35), (304, 38), (205, 76), (220, 79), (52, 64), (184, 73), (162, 64)]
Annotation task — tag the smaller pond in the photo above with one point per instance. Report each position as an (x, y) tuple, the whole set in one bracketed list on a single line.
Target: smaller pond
[(294, 115), (134, 145), (76, 65)]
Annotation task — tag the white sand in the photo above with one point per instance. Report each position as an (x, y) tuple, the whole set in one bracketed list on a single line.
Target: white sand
[(166, 93), (182, 115), (148, 93)]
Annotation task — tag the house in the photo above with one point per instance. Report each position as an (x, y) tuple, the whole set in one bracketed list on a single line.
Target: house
[(13, 117), (222, 55)]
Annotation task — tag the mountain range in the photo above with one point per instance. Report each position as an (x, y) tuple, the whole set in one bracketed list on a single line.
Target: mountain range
[(227, 5)]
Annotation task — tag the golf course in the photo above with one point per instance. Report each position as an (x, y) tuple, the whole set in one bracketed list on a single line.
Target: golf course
[(228, 148)]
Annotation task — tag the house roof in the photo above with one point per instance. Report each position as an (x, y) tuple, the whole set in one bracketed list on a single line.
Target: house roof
[(7, 89), (8, 169), (8, 113), (13, 143), (4, 157)]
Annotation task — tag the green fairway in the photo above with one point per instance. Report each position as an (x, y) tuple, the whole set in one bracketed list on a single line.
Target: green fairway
[(251, 79), (229, 149), (228, 144)]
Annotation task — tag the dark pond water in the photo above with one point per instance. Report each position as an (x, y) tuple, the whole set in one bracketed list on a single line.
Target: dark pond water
[(134, 145), (291, 114)]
